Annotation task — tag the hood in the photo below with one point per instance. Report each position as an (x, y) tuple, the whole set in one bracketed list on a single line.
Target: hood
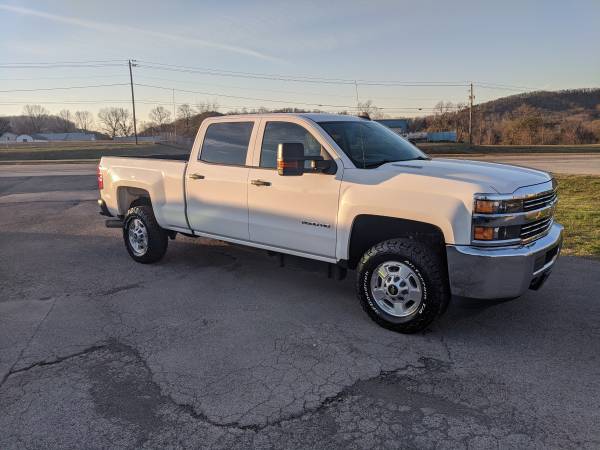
[(501, 178)]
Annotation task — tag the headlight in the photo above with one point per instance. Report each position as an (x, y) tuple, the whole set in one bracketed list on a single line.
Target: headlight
[(484, 206), (492, 220)]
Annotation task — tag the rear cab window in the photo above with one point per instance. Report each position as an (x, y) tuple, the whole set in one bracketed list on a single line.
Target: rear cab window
[(226, 143)]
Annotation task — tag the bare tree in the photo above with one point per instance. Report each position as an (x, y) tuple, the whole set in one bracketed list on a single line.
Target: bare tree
[(369, 108), (185, 112), (83, 120), (207, 106), (36, 115), (115, 121), (160, 116), (4, 125), (65, 121)]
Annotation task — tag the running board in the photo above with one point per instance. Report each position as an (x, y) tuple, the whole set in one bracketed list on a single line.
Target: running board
[(113, 223)]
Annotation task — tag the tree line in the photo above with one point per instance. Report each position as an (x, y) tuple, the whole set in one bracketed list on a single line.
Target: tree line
[(534, 118), (563, 117)]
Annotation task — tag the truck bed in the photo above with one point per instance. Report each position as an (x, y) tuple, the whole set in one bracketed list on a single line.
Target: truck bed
[(161, 176)]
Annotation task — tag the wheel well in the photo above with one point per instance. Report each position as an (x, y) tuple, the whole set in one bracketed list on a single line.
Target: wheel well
[(130, 196), (368, 230)]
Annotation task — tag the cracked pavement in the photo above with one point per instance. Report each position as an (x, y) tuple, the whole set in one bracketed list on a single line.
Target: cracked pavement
[(216, 346)]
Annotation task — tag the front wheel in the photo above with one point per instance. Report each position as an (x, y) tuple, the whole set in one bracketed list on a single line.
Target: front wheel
[(145, 240), (402, 285)]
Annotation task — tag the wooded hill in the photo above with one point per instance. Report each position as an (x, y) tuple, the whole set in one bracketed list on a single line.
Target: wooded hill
[(543, 117)]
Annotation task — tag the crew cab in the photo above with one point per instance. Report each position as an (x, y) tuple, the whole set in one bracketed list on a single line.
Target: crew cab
[(352, 193)]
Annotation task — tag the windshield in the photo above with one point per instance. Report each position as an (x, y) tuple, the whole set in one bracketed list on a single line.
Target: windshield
[(370, 144)]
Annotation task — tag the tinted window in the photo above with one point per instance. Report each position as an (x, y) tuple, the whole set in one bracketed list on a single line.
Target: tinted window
[(370, 144), (227, 143), (281, 132)]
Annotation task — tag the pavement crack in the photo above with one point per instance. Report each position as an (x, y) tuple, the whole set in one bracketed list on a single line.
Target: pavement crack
[(33, 335), (45, 363), (118, 289), (323, 405)]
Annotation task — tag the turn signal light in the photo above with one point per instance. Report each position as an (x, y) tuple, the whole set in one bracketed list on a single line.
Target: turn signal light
[(483, 233), (486, 206)]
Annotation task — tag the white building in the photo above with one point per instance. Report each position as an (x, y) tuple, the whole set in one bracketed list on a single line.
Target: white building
[(8, 137), (24, 138)]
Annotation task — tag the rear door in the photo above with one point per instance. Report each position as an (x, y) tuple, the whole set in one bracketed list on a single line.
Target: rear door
[(217, 180), (297, 213)]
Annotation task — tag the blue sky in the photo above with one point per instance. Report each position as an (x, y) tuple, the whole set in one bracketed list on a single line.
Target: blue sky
[(543, 45)]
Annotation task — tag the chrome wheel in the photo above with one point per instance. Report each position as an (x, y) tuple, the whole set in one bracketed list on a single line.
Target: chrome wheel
[(396, 289), (138, 237)]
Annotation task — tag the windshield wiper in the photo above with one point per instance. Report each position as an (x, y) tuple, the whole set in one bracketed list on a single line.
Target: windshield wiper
[(374, 164), (379, 163)]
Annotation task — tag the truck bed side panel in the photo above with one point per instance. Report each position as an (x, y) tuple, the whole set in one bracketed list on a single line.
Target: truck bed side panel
[(162, 179)]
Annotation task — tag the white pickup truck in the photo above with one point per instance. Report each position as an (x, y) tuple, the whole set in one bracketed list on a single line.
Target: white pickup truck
[(352, 193)]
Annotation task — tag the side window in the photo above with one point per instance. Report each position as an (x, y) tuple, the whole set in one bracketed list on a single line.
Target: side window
[(280, 132), (226, 143)]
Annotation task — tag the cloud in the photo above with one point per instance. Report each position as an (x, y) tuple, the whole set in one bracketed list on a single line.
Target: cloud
[(106, 27)]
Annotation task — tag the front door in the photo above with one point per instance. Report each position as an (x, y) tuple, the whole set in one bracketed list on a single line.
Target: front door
[(297, 213), (217, 181)]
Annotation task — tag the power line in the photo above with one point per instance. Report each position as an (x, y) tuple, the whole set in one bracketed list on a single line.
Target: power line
[(259, 75), (72, 62), (61, 66), (228, 86), (61, 88), (297, 78), (268, 100)]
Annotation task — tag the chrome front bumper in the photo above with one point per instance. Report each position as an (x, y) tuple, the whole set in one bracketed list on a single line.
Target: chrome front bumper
[(506, 272)]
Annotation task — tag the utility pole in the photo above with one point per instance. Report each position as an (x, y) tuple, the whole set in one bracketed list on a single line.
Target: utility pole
[(174, 117), (471, 97), (133, 99), (357, 102)]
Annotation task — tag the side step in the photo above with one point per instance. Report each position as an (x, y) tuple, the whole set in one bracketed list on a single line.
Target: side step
[(336, 271), (113, 223)]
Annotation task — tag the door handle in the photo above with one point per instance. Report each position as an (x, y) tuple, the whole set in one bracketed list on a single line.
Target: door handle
[(196, 176), (260, 183)]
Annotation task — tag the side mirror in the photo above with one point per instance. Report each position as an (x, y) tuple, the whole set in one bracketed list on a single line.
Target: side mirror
[(291, 158), (318, 164)]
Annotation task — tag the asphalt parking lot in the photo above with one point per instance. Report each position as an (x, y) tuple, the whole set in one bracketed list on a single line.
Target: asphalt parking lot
[(216, 346)]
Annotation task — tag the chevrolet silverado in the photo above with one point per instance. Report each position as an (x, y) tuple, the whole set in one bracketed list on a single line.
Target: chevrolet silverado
[(349, 192)]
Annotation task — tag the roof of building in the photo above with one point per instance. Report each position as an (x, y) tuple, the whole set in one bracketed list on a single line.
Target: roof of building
[(394, 123), (74, 136)]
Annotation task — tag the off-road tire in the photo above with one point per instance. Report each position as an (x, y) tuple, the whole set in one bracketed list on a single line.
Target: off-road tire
[(427, 265), (157, 236)]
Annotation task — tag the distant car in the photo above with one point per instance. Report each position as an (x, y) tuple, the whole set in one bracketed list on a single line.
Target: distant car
[(352, 193)]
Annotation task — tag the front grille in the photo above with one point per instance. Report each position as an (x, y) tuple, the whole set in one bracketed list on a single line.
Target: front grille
[(539, 201), (534, 229), (518, 219)]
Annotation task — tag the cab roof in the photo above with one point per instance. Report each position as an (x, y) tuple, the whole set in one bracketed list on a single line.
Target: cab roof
[(315, 117)]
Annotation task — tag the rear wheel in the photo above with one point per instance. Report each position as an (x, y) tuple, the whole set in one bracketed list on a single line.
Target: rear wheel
[(145, 240), (402, 285)]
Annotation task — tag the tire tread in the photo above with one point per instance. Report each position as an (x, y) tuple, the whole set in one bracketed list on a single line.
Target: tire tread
[(430, 263)]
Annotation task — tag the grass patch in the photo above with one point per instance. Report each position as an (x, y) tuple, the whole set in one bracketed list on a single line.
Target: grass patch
[(445, 148), (579, 212)]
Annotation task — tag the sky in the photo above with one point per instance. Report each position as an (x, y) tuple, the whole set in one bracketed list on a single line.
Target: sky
[(302, 53)]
